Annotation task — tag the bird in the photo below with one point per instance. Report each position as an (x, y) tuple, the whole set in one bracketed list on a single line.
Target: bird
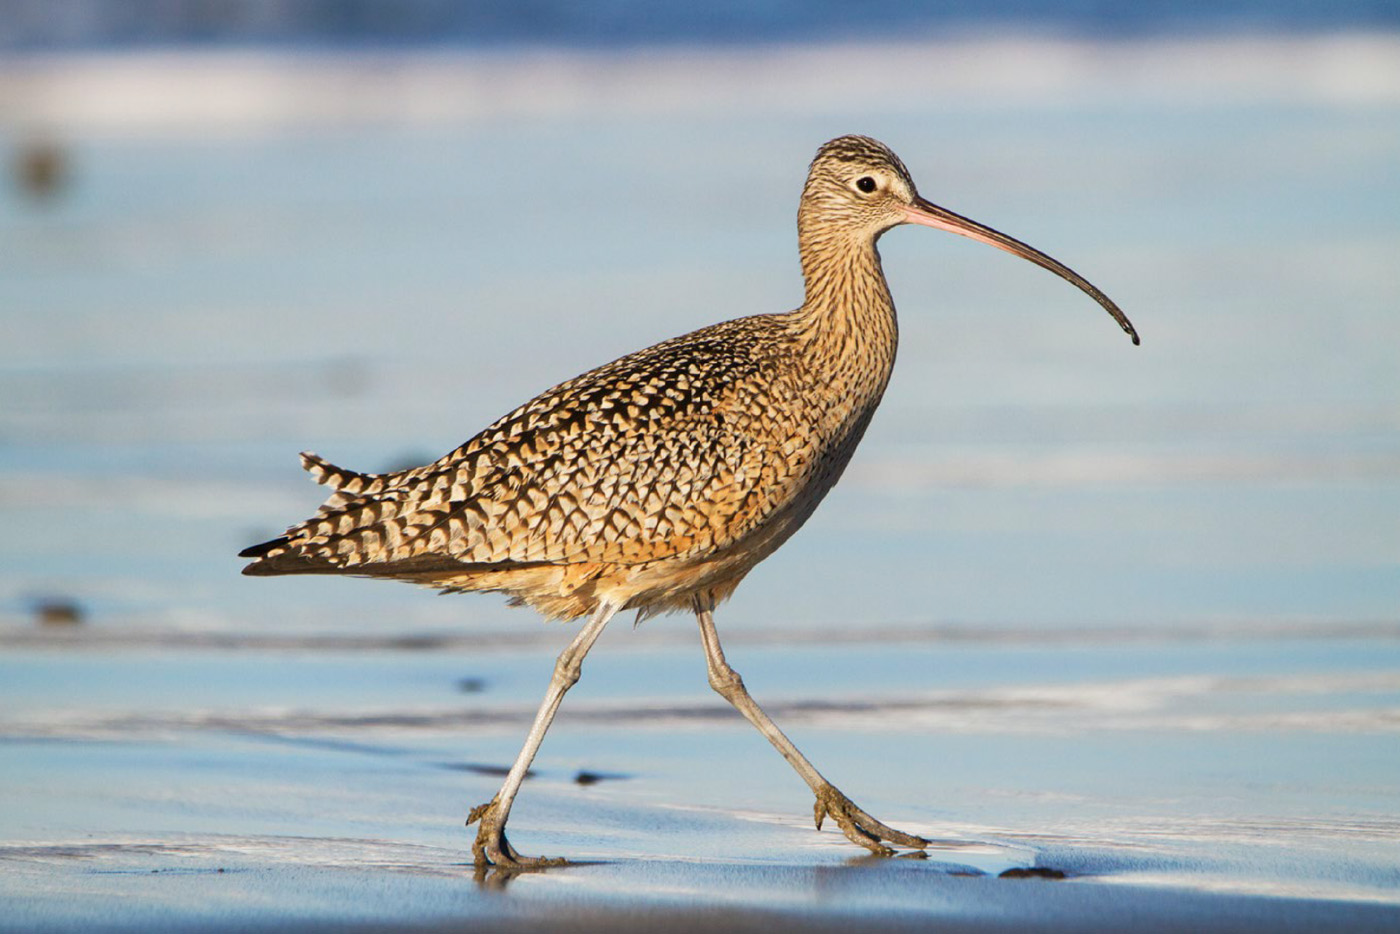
[(658, 481)]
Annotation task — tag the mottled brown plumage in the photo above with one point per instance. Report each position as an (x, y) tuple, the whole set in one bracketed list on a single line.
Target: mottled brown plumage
[(657, 481), (661, 476)]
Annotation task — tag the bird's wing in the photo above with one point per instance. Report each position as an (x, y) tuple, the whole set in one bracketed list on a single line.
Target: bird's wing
[(660, 454)]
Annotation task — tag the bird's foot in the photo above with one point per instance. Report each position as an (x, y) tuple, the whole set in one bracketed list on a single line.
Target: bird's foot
[(491, 848), (859, 827)]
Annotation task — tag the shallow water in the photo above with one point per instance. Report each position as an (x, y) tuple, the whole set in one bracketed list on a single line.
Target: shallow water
[(1127, 612)]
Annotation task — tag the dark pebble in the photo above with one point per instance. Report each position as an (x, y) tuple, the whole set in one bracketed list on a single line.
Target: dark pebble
[(58, 612), (1032, 872)]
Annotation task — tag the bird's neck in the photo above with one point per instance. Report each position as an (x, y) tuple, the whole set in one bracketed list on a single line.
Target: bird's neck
[(848, 318)]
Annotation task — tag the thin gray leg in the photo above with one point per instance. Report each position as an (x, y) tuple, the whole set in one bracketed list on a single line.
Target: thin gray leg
[(491, 846), (858, 826)]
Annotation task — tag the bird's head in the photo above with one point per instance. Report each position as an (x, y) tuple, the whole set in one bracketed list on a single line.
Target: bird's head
[(857, 189)]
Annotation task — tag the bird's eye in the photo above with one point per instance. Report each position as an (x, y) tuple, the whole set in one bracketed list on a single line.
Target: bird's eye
[(866, 184)]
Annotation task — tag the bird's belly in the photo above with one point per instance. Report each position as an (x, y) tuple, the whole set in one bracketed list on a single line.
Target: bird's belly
[(567, 591), (674, 584)]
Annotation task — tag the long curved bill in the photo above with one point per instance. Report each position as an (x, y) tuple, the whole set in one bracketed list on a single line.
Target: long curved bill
[(931, 215)]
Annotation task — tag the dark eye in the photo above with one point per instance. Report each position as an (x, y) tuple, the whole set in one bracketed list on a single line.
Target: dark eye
[(866, 184)]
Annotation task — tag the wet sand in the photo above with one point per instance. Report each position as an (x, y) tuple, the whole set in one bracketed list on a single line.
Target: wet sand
[(298, 789), (665, 896)]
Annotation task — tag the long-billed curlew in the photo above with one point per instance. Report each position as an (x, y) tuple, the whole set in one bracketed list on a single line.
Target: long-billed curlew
[(657, 481)]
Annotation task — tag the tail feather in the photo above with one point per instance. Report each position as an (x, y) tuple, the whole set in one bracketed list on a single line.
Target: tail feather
[(279, 556), (355, 507), (285, 554), (338, 478), (288, 562), (264, 549)]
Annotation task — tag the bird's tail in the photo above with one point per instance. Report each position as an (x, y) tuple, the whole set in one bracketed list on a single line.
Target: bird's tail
[(281, 555)]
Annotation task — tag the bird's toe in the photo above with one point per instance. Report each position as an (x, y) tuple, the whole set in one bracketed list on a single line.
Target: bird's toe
[(858, 826), (491, 848)]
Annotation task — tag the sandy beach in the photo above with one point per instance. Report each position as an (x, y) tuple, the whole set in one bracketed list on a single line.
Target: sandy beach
[(320, 789), (1117, 626)]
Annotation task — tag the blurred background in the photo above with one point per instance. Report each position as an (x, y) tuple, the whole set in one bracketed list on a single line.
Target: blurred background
[(231, 231)]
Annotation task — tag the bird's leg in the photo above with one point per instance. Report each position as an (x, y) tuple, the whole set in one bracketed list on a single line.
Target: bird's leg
[(859, 827), (491, 846)]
